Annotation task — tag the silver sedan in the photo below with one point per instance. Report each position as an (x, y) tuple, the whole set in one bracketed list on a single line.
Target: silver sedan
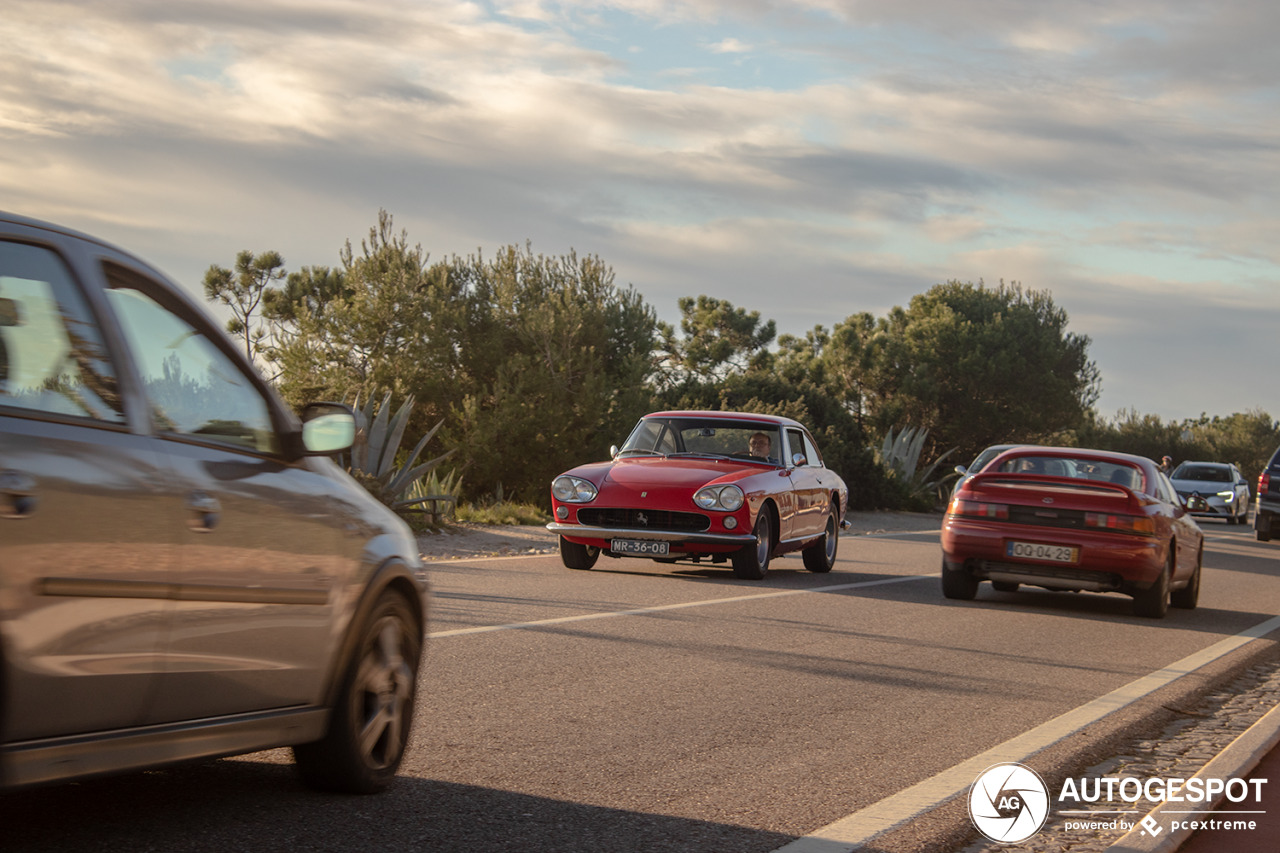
[(1224, 488), (184, 573)]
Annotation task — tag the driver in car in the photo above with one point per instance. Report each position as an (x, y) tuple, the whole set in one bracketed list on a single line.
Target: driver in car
[(759, 445)]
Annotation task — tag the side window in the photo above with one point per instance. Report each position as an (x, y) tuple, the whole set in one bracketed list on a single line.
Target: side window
[(795, 444), (193, 387), (811, 452), (52, 358)]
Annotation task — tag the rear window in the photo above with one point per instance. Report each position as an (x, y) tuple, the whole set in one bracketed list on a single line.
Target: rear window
[(1079, 468)]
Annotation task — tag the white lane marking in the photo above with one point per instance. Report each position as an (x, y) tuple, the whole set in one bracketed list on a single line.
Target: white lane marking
[(851, 832), (888, 533), (584, 617)]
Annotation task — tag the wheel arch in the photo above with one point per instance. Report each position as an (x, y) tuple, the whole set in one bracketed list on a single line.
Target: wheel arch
[(771, 507), (393, 575)]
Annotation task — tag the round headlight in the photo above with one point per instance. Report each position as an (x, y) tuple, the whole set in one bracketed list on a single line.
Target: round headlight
[(706, 498), (573, 490), (721, 498), (731, 498), (562, 488)]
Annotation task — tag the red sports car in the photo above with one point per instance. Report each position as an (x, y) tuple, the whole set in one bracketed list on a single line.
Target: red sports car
[(1071, 519), (718, 486)]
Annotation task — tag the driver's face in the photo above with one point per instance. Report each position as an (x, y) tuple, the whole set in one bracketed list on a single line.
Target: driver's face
[(759, 445)]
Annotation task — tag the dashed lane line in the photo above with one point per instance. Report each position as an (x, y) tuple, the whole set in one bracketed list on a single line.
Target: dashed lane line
[(641, 611)]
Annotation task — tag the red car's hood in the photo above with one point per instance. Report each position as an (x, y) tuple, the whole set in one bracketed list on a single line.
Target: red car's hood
[(660, 478), (680, 472)]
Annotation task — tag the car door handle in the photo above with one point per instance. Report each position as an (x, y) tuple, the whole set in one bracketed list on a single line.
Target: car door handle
[(204, 511), (19, 494)]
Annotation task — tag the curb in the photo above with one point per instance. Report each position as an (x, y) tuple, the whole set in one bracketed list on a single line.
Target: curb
[(1240, 757)]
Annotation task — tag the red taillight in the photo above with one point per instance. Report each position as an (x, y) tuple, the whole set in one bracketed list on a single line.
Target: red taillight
[(977, 509), (1264, 483), (1139, 524)]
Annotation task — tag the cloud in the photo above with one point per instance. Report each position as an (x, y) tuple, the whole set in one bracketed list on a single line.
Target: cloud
[(730, 45), (1107, 152)]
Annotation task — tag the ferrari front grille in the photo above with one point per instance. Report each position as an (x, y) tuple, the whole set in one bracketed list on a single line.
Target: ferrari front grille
[(642, 519)]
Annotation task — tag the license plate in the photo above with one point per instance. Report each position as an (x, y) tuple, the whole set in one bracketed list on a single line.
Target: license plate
[(647, 547), (1048, 553)]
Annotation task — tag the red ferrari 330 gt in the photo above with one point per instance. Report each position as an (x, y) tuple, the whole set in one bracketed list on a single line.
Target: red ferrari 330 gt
[(718, 486), (1071, 519)]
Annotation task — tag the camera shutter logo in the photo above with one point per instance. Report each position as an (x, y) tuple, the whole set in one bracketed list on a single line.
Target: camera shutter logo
[(1008, 803)]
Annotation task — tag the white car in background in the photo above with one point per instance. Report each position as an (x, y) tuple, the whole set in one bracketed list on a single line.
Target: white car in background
[(1223, 487)]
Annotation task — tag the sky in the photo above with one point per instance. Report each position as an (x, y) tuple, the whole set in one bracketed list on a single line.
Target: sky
[(808, 160)]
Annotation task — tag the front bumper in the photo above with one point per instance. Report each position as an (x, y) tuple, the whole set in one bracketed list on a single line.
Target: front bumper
[(598, 534), (1218, 507)]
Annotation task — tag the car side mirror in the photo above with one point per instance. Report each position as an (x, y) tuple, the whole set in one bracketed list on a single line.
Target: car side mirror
[(1195, 503), (613, 451), (798, 460), (327, 428), (961, 470)]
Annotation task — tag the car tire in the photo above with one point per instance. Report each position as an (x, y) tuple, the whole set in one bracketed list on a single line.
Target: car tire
[(576, 556), (821, 555), (1262, 526), (1189, 596), (373, 708), (958, 584), (1153, 602), (752, 561), (1005, 586)]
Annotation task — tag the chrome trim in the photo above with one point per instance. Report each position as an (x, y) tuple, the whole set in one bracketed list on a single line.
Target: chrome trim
[(77, 756), (583, 530), (97, 588)]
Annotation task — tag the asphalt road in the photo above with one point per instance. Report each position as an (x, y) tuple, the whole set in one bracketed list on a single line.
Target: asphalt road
[(649, 708)]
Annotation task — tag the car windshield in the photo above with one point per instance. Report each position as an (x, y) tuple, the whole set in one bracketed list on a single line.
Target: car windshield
[(1078, 467), (703, 437), (984, 457), (1202, 473)]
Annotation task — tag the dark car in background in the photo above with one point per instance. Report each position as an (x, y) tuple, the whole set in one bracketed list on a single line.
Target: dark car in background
[(183, 572), (1223, 487), (1268, 499)]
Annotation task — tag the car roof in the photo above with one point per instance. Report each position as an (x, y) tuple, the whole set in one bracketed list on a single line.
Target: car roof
[(1206, 464), (10, 218), (30, 222), (728, 416), (1079, 452)]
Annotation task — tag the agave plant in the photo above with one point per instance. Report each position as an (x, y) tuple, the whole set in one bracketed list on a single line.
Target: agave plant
[(436, 496), (901, 457), (377, 444)]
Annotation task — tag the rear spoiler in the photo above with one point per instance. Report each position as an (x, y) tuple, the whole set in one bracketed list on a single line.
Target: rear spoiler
[(1013, 479)]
